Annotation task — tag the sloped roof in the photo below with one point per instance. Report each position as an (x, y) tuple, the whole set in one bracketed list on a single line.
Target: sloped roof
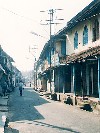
[(6, 55), (9, 57), (91, 52), (88, 12)]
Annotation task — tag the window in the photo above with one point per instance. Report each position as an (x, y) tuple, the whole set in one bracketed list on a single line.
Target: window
[(76, 40), (63, 47), (95, 30), (5, 60), (85, 35)]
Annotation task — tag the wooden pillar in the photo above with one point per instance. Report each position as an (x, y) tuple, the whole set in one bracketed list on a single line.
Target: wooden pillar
[(63, 79), (52, 85), (73, 79), (82, 89), (59, 81), (92, 80), (99, 77), (87, 79), (73, 85)]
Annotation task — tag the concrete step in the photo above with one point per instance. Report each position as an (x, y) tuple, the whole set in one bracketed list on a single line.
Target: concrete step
[(3, 109), (4, 101)]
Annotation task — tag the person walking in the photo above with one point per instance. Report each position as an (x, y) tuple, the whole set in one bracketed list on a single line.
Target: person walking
[(30, 84), (4, 88), (20, 87)]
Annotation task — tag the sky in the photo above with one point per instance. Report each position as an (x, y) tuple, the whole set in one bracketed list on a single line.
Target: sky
[(20, 18)]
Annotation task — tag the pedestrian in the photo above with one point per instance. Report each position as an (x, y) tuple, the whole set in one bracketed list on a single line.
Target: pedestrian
[(13, 87), (30, 84), (4, 88), (20, 87)]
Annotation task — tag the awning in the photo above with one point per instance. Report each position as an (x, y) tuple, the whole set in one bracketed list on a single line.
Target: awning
[(89, 53)]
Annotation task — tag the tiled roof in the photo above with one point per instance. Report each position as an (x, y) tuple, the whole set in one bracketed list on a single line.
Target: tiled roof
[(91, 52)]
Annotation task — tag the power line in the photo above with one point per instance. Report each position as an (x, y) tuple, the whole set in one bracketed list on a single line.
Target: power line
[(22, 16), (34, 33), (16, 14)]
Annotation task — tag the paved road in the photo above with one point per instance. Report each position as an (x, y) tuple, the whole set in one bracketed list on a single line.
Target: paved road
[(32, 113)]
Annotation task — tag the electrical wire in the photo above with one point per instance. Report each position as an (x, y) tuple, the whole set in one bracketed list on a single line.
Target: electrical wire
[(22, 16)]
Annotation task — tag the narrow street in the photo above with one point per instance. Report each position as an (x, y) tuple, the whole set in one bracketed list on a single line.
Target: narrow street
[(33, 113)]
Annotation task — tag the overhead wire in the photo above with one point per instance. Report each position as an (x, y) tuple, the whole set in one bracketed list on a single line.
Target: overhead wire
[(22, 16)]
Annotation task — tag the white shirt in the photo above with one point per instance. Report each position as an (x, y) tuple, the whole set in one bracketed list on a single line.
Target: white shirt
[(20, 84)]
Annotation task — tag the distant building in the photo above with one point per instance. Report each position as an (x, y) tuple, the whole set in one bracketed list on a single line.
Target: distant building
[(6, 70)]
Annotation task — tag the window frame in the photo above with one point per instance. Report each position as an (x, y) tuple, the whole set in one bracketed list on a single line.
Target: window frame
[(76, 40), (85, 35)]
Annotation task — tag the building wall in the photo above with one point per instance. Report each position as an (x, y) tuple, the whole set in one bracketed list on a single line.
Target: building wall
[(44, 84), (39, 84), (79, 28)]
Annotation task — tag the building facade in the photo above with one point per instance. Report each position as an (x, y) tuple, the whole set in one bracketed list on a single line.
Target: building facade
[(8, 73), (70, 61)]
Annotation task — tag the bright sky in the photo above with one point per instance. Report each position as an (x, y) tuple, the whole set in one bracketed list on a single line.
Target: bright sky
[(18, 18)]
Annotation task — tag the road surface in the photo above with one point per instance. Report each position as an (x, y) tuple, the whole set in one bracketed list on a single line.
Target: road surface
[(33, 113)]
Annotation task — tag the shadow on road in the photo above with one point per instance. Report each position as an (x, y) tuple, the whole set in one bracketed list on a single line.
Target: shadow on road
[(23, 107), (52, 126), (10, 130), (37, 99)]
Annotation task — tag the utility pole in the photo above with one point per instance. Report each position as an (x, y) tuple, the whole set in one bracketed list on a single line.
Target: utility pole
[(51, 12), (51, 22), (35, 60)]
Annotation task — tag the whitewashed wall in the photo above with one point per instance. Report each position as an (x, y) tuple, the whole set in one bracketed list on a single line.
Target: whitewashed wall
[(79, 28)]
